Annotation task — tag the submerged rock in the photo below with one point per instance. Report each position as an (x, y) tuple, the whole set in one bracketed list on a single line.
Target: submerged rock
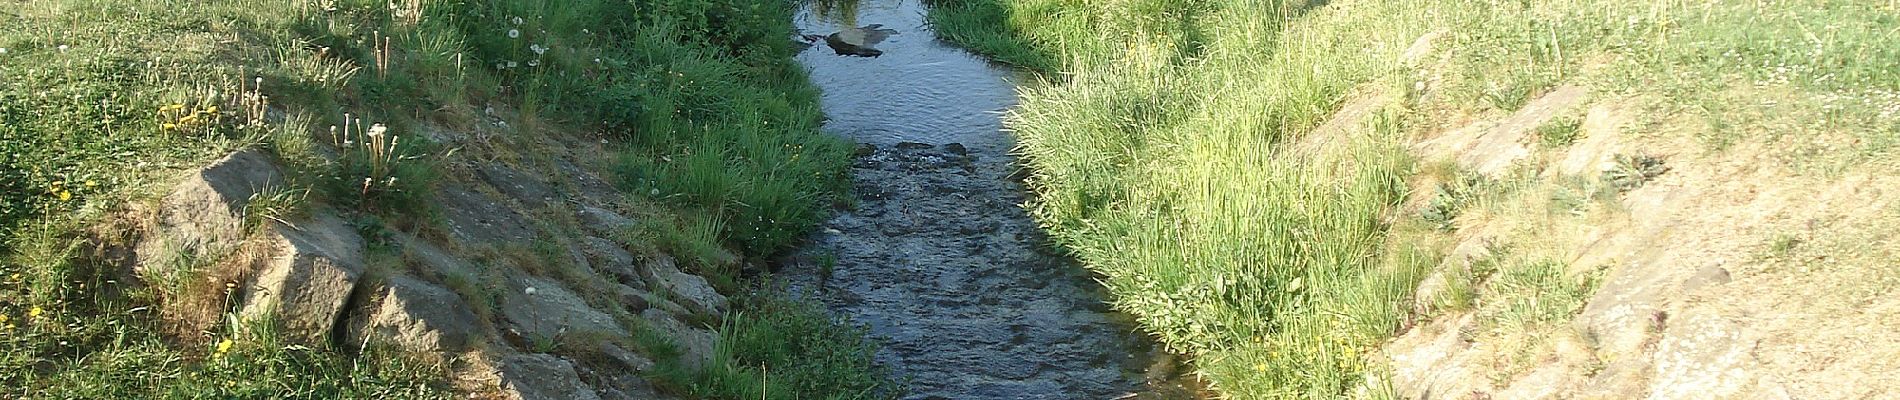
[(860, 41)]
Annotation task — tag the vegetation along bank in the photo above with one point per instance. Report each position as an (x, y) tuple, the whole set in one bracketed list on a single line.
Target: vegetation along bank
[(1448, 199), (513, 198)]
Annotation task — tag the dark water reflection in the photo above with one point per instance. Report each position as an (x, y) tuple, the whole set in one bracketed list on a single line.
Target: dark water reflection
[(922, 89)]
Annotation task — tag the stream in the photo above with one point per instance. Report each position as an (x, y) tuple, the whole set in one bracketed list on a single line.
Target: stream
[(937, 258)]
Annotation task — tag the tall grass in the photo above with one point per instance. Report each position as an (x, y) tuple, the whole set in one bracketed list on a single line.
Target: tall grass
[(101, 102), (1163, 147)]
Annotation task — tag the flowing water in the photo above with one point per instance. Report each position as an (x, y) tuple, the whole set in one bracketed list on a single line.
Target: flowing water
[(938, 259)]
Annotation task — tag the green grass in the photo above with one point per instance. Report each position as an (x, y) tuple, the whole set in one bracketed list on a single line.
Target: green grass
[(782, 346), (103, 103), (1159, 146)]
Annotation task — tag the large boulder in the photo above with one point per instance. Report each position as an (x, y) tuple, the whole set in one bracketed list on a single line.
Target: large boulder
[(419, 316), (205, 214), (691, 290), (543, 309), (311, 271), (541, 377)]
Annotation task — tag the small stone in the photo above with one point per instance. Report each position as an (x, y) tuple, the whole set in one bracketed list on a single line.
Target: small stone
[(957, 149), (864, 149)]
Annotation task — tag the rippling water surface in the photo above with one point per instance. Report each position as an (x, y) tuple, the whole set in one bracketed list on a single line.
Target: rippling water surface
[(922, 89)]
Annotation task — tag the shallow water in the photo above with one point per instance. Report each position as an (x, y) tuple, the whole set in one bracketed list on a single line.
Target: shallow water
[(922, 89), (938, 259)]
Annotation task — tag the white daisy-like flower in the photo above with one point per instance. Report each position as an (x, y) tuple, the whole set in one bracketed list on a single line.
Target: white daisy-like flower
[(63, 47), (534, 63), (3, 50), (537, 49), (511, 64), (514, 33), (517, 20)]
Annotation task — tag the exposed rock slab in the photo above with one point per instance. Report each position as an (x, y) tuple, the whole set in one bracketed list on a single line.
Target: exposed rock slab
[(541, 377), (541, 308), (311, 273), (695, 344), (611, 260), (419, 316), (205, 214), (691, 290)]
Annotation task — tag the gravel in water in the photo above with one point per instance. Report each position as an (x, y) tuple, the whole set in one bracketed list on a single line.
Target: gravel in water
[(938, 258)]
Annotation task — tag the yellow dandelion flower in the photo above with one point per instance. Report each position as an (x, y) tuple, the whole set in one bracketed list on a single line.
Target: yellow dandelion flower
[(211, 110), (35, 312), (224, 346), (3, 319), (65, 195), (188, 119), (90, 183), (1260, 368), (168, 126)]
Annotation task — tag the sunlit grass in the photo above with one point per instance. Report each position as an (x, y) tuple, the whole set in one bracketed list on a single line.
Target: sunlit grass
[(1161, 146), (103, 103)]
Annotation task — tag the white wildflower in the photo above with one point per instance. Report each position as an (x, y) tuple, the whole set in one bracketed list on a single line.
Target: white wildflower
[(529, 291), (534, 63), (512, 64), (537, 49), (517, 20), (3, 50), (63, 48), (376, 131), (514, 33)]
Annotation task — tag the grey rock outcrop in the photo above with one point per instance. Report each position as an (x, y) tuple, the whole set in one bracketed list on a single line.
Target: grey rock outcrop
[(419, 316), (691, 290), (204, 215), (309, 275), (695, 344), (545, 309), (541, 377), (610, 259), (603, 221)]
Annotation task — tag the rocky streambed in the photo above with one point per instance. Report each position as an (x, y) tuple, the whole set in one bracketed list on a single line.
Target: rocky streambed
[(937, 258)]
